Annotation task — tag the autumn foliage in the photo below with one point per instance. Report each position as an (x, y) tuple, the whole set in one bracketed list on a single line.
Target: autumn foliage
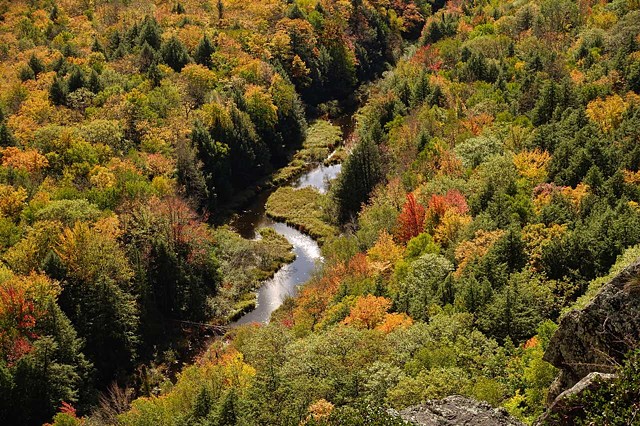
[(411, 219)]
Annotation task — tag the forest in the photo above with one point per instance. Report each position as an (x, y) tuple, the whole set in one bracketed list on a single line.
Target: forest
[(490, 186)]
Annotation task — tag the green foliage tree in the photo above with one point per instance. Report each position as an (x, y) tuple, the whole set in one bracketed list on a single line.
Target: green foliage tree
[(96, 278), (361, 172), (175, 54), (150, 33), (423, 285), (58, 91), (203, 52)]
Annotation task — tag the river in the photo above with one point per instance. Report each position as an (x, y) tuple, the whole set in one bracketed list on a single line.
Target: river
[(286, 281)]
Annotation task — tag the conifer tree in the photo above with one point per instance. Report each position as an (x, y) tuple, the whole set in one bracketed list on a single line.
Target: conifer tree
[(203, 52), (36, 65), (94, 84), (175, 54), (58, 92), (75, 80), (361, 172), (150, 34), (148, 56)]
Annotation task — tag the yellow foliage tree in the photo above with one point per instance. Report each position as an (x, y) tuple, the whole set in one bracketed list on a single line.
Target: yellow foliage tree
[(449, 227), (477, 247), (536, 236), (12, 200), (607, 113), (385, 252), (532, 165)]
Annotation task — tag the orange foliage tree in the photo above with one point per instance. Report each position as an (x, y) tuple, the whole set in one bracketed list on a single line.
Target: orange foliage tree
[(368, 312), (411, 219)]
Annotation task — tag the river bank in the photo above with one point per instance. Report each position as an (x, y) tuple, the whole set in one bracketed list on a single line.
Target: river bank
[(315, 177)]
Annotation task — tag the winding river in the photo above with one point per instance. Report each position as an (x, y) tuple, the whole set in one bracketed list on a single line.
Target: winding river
[(286, 281)]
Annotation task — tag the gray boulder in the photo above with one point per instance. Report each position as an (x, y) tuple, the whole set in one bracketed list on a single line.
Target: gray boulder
[(597, 337), (458, 410)]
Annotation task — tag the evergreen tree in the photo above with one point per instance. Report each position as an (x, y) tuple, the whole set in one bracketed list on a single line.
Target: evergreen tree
[(96, 46), (94, 84), (189, 173), (227, 411), (154, 74), (220, 7), (203, 52), (26, 73), (53, 15), (76, 80), (250, 156), (6, 138), (55, 370), (36, 65), (546, 104), (150, 33), (178, 9), (202, 404), (361, 172), (175, 54), (58, 91), (148, 57), (115, 40), (214, 156)]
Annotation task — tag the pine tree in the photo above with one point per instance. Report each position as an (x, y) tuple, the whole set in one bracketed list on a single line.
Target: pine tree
[(96, 46), (203, 52), (6, 138), (75, 80), (26, 73), (214, 157), (154, 74), (203, 403), (36, 65), (546, 104), (58, 92), (94, 84), (189, 173), (148, 57), (150, 33), (114, 41), (226, 415), (175, 54), (220, 7), (361, 172), (178, 9), (53, 15)]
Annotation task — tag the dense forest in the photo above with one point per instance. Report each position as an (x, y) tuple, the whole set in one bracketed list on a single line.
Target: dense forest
[(491, 185)]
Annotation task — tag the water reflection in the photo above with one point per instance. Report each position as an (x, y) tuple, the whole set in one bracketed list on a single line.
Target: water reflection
[(286, 281), (319, 177)]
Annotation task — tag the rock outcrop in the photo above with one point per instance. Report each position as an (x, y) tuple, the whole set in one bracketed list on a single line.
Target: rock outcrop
[(458, 411), (561, 411), (597, 337)]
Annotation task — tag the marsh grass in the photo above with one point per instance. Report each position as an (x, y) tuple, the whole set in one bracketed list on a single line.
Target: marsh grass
[(322, 138), (304, 209), (245, 264)]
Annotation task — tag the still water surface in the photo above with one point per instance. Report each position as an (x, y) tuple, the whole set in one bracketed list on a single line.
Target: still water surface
[(286, 281)]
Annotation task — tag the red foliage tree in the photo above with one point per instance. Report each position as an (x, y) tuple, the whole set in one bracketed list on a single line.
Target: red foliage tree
[(411, 219), (439, 204)]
